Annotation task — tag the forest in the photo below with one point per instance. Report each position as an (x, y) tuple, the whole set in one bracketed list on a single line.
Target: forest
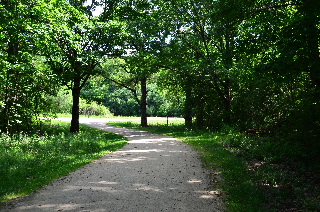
[(249, 65)]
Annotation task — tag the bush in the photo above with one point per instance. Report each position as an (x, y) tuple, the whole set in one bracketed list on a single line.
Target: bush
[(62, 103), (95, 109)]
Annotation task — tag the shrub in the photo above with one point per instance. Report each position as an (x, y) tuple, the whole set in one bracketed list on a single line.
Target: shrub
[(95, 109), (62, 103)]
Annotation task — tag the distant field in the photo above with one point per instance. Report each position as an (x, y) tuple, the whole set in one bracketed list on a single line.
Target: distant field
[(151, 120)]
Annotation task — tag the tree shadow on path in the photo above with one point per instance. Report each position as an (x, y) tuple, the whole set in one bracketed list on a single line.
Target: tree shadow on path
[(151, 173)]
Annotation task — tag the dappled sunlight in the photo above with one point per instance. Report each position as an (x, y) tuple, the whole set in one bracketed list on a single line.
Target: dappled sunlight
[(145, 187), (125, 160), (149, 140), (51, 207), (151, 173), (106, 183), (99, 195), (144, 151), (208, 194), (177, 151), (206, 197), (194, 181)]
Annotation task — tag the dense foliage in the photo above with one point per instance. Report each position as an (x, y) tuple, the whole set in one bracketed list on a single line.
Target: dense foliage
[(124, 101), (24, 76), (62, 104), (249, 64)]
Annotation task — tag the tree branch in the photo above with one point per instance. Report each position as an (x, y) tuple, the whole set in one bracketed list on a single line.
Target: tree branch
[(127, 87), (276, 6)]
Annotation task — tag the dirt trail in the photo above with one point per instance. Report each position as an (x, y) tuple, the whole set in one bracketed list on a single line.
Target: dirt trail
[(151, 173)]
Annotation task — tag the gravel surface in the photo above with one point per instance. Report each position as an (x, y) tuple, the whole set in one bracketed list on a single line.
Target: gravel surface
[(151, 173)]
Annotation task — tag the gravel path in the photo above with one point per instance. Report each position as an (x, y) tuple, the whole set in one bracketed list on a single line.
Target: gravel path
[(151, 173)]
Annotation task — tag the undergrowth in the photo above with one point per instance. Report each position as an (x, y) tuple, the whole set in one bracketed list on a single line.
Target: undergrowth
[(256, 173), (27, 162)]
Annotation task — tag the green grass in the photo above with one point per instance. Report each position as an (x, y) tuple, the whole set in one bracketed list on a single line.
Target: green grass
[(152, 122), (237, 183), (69, 115), (259, 174), (29, 162)]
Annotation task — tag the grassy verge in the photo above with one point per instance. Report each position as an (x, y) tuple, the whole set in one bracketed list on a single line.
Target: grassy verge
[(258, 172), (29, 162), (238, 184)]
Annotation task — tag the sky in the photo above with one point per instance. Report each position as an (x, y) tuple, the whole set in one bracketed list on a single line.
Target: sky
[(98, 9)]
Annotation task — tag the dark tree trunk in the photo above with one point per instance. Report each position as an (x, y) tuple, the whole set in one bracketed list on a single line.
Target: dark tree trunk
[(226, 83), (227, 102), (143, 103), (188, 104), (310, 23), (4, 114), (75, 126), (200, 110)]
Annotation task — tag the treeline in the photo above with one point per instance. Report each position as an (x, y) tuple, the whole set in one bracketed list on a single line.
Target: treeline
[(122, 101), (253, 65), (61, 104), (250, 64), (46, 45)]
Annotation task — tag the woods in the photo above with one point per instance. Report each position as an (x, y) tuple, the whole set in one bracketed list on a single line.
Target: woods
[(244, 64)]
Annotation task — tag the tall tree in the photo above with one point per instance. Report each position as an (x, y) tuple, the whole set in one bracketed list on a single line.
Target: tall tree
[(143, 40), (128, 74), (210, 41), (24, 76), (81, 44)]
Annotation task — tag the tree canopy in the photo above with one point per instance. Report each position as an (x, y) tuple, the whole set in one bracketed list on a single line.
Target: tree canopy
[(247, 63)]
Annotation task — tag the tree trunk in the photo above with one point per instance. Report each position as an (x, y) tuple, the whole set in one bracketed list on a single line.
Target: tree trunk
[(310, 10), (188, 104), (75, 126), (143, 103), (200, 110), (227, 102), (8, 103)]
